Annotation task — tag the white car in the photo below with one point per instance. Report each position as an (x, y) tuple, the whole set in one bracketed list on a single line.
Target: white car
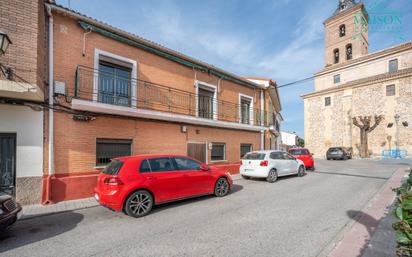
[(270, 165)]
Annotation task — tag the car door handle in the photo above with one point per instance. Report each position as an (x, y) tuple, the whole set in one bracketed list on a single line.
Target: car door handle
[(152, 178)]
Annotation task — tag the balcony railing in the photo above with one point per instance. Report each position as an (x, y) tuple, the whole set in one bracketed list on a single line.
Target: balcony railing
[(106, 88)]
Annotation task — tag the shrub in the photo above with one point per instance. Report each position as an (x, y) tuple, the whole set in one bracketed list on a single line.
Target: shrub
[(403, 211)]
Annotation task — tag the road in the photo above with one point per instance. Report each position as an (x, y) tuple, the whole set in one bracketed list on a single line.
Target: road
[(292, 217)]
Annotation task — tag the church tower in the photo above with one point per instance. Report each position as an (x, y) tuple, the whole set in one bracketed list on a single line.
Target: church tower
[(346, 33)]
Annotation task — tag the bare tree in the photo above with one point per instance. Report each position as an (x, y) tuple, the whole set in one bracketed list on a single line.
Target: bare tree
[(364, 124)]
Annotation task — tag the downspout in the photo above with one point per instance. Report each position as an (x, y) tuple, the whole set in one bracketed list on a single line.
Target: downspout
[(262, 135), (88, 31), (47, 186)]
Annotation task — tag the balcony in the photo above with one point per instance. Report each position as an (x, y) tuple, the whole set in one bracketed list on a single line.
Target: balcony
[(125, 94)]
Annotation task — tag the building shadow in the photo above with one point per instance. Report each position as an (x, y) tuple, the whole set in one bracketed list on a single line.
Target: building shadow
[(28, 231)]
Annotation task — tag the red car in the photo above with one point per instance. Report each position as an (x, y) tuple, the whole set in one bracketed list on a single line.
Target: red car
[(304, 155), (135, 184)]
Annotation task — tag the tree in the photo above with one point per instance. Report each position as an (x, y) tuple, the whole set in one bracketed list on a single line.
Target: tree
[(301, 142), (364, 124)]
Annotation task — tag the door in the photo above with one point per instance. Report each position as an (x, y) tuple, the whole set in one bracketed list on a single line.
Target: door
[(278, 161), (197, 151), (8, 163), (196, 181), (164, 180), (291, 163)]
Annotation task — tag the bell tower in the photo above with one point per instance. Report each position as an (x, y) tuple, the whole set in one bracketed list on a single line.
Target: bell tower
[(346, 33)]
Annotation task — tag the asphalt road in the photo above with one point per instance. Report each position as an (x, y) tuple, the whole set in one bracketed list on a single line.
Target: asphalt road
[(292, 217)]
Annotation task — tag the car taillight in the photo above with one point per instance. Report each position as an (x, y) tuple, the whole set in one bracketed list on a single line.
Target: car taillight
[(113, 181), (264, 163)]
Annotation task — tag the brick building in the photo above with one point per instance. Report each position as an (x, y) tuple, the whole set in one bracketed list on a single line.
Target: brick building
[(354, 83), (113, 94), (22, 86)]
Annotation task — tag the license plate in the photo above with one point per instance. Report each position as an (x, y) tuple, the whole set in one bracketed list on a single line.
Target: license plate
[(96, 196)]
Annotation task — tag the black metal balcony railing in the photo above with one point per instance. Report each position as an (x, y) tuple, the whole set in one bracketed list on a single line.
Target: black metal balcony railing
[(104, 87)]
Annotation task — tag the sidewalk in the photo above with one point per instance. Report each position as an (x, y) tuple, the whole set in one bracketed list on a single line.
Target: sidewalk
[(370, 234), (31, 211)]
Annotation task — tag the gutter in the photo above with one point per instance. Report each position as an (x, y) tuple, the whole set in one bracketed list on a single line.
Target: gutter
[(47, 182)]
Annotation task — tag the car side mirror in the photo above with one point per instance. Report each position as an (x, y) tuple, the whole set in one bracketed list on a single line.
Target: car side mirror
[(204, 167)]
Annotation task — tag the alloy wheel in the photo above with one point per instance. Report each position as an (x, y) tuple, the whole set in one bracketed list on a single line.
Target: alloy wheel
[(272, 176), (139, 204), (222, 187)]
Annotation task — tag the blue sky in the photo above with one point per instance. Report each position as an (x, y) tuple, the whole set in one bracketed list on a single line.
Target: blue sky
[(279, 39)]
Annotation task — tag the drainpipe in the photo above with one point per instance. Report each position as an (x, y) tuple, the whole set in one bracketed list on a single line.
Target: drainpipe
[(88, 31), (47, 184), (262, 107), (262, 140)]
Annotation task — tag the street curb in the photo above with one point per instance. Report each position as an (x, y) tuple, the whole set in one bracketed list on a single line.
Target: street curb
[(336, 240)]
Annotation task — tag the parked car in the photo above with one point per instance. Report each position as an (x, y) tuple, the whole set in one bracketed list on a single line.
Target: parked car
[(135, 184), (8, 210), (304, 155), (339, 153), (270, 165)]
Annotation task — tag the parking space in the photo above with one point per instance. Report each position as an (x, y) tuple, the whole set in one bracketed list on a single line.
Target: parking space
[(292, 217)]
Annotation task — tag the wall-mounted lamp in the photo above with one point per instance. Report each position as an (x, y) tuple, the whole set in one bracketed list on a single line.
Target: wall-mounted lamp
[(4, 42)]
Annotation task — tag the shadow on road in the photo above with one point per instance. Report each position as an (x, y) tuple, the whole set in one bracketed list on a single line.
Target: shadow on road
[(366, 220), (29, 231), (350, 175)]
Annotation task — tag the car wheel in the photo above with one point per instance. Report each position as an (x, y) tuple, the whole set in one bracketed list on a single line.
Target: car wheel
[(328, 159), (345, 157), (301, 171), (139, 204), (245, 177), (222, 187), (272, 176)]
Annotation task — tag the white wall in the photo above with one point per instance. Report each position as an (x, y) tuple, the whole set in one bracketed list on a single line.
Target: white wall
[(288, 138), (28, 125)]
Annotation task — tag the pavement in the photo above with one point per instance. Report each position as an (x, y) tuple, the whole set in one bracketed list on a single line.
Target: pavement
[(292, 217)]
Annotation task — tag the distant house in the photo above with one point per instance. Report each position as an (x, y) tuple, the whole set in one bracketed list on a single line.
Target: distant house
[(288, 140)]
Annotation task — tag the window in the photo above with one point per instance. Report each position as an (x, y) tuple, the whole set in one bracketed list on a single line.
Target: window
[(218, 152), (113, 168), (244, 149), (114, 83), (349, 52), (276, 155), (107, 149), (327, 101), (287, 156), (245, 110), (254, 156), (342, 30), (161, 164), (187, 164), (299, 151), (336, 78), (205, 103), (336, 55), (144, 166), (390, 90), (393, 65)]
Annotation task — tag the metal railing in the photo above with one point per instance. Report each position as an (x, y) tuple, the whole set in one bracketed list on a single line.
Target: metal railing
[(106, 88)]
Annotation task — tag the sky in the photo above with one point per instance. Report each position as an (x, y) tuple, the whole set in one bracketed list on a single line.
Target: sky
[(278, 39)]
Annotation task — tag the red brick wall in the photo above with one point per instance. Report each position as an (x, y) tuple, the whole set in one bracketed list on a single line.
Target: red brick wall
[(24, 22), (151, 67), (75, 142)]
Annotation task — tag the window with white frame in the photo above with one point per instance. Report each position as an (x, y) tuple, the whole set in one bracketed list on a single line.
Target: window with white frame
[(336, 78), (218, 152), (245, 109), (114, 79), (206, 103)]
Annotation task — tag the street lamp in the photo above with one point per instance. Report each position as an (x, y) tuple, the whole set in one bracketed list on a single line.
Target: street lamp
[(4, 42)]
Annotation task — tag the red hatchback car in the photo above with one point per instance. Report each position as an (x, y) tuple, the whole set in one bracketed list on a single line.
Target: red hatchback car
[(135, 184), (304, 155)]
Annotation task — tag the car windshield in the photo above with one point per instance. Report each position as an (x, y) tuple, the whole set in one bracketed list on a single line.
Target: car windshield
[(298, 151), (335, 149), (254, 156), (113, 168)]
